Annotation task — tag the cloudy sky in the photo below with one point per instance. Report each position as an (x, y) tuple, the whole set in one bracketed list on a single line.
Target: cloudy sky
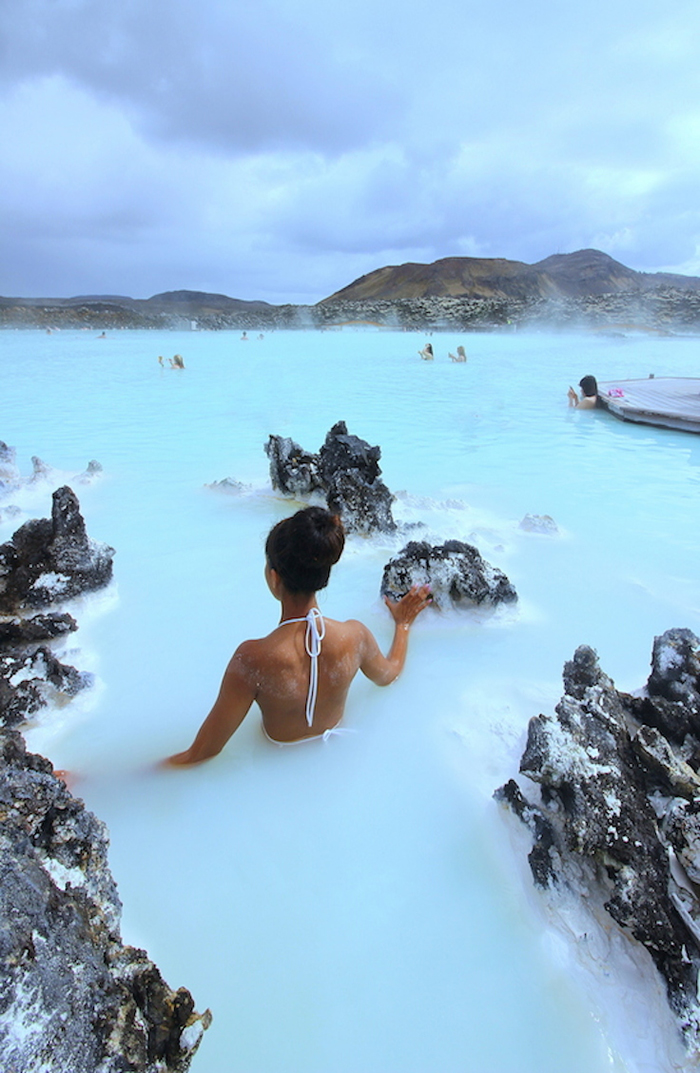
[(278, 149)]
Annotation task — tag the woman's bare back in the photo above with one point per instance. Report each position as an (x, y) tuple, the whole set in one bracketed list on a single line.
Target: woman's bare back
[(278, 667), (274, 671)]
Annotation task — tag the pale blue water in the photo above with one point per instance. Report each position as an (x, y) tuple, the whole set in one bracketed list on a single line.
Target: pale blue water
[(363, 905)]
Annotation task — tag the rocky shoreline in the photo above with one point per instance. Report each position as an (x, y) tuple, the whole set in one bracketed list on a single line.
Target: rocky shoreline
[(665, 309), (617, 817), (73, 996)]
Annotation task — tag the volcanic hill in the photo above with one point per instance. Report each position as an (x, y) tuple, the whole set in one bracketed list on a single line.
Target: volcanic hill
[(571, 275)]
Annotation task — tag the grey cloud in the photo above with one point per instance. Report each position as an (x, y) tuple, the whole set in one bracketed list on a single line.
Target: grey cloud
[(236, 77), (278, 150)]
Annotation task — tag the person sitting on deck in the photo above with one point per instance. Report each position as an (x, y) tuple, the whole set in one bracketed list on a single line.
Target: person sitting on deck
[(300, 674), (589, 394)]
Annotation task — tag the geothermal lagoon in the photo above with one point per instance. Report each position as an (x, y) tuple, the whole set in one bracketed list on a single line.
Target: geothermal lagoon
[(359, 904)]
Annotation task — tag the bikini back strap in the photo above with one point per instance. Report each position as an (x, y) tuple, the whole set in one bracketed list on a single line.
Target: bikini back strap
[(315, 632)]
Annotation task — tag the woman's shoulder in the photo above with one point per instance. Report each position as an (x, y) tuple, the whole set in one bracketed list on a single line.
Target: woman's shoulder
[(352, 634), (349, 625)]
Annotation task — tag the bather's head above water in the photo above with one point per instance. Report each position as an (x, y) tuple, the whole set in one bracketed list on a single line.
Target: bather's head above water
[(302, 549), (589, 386)]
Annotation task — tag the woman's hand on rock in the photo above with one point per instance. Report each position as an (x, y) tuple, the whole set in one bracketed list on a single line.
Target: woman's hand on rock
[(406, 610)]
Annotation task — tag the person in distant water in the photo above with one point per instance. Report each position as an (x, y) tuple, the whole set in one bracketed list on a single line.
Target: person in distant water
[(261, 336), (300, 674), (460, 355), (160, 361), (177, 362), (589, 394), (245, 336), (103, 336), (427, 352)]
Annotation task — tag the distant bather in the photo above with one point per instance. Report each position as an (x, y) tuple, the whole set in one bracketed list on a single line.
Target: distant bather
[(589, 394)]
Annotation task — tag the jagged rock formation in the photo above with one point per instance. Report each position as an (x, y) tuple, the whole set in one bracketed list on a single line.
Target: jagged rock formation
[(618, 817), (456, 572), (74, 998), (293, 471), (350, 471), (31, 679), (21, 631), (346, 470), (45, 562), (48, 560)]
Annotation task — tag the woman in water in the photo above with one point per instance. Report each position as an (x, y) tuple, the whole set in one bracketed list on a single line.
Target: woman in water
[(589, 394), (300, 674)]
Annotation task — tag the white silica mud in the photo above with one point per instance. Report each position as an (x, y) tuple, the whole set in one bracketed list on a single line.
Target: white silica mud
[(363, 903)]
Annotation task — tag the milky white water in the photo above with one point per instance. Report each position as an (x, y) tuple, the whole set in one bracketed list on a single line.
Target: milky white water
[(359, 906)]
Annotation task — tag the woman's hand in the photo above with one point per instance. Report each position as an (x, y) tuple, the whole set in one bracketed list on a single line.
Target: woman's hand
[(406, 610)]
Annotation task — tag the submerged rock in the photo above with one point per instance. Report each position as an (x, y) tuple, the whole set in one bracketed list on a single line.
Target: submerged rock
[(11, 478), (41, 471), (345, 470), (456, 572), (50, 560), (229, 486), (93, 470), (618, 814), (10, 511), (31, 681), (9, 473), (74, 997), (539, 523)]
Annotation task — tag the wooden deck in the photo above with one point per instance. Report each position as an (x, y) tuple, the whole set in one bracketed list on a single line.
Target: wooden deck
[(663, 401)]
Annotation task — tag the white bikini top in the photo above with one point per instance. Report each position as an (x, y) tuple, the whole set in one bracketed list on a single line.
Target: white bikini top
[(315, 632)]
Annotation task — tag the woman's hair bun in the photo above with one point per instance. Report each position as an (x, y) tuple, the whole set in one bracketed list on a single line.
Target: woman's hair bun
[(328, 532), (303, 548)]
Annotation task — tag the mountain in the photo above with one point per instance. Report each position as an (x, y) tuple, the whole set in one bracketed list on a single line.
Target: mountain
[(573, 275), (171, 309), (185, 303), (198, 301)]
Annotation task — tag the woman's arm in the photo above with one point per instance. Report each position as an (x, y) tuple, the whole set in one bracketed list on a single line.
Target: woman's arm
[(230, 709), (383, 670)]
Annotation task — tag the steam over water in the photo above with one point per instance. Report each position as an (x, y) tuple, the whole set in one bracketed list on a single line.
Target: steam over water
[(359, 906)]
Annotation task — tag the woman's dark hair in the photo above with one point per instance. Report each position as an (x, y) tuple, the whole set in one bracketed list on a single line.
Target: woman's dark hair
[(588, 385), (303, 548)]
